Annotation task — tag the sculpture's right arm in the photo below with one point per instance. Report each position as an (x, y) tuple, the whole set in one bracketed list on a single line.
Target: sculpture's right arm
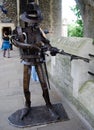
[(18, 40)]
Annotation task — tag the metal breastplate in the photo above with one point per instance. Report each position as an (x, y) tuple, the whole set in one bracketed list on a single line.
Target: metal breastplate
[(31, 56)]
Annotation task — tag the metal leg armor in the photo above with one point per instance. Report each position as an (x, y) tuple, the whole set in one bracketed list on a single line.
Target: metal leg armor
[(26, 81), (42, 78)]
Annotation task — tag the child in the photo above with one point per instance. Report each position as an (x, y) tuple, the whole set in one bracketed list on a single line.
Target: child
[(6, 45)]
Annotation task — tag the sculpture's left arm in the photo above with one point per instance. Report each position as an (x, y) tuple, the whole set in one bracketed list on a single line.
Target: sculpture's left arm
[(53, 50)]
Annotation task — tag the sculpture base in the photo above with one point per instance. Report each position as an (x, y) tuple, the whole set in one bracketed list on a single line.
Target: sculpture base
[(38, 116)]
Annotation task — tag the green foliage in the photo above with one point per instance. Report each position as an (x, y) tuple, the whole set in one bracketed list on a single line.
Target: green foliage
[(76, 28), (76, 11)]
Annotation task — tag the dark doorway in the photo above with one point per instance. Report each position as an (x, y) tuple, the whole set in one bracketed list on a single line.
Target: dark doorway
[(7, 29)]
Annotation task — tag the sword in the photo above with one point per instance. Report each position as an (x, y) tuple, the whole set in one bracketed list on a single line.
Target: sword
[(45, 67)]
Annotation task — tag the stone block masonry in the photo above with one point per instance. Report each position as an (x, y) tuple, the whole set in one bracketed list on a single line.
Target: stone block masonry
[(72, 77)]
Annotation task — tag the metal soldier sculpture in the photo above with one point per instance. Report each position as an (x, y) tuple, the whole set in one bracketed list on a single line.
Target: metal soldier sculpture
[(32, 43)]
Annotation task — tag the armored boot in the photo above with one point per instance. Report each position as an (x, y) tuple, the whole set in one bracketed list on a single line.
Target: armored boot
[(26, 110), (49, 105)]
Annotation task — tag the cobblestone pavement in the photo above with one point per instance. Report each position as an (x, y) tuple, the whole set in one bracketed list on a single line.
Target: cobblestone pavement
[(12, 99)]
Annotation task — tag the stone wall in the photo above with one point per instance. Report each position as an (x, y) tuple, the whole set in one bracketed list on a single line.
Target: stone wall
[(71, 77), (52, 16), (45, 7), (10, 5)]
